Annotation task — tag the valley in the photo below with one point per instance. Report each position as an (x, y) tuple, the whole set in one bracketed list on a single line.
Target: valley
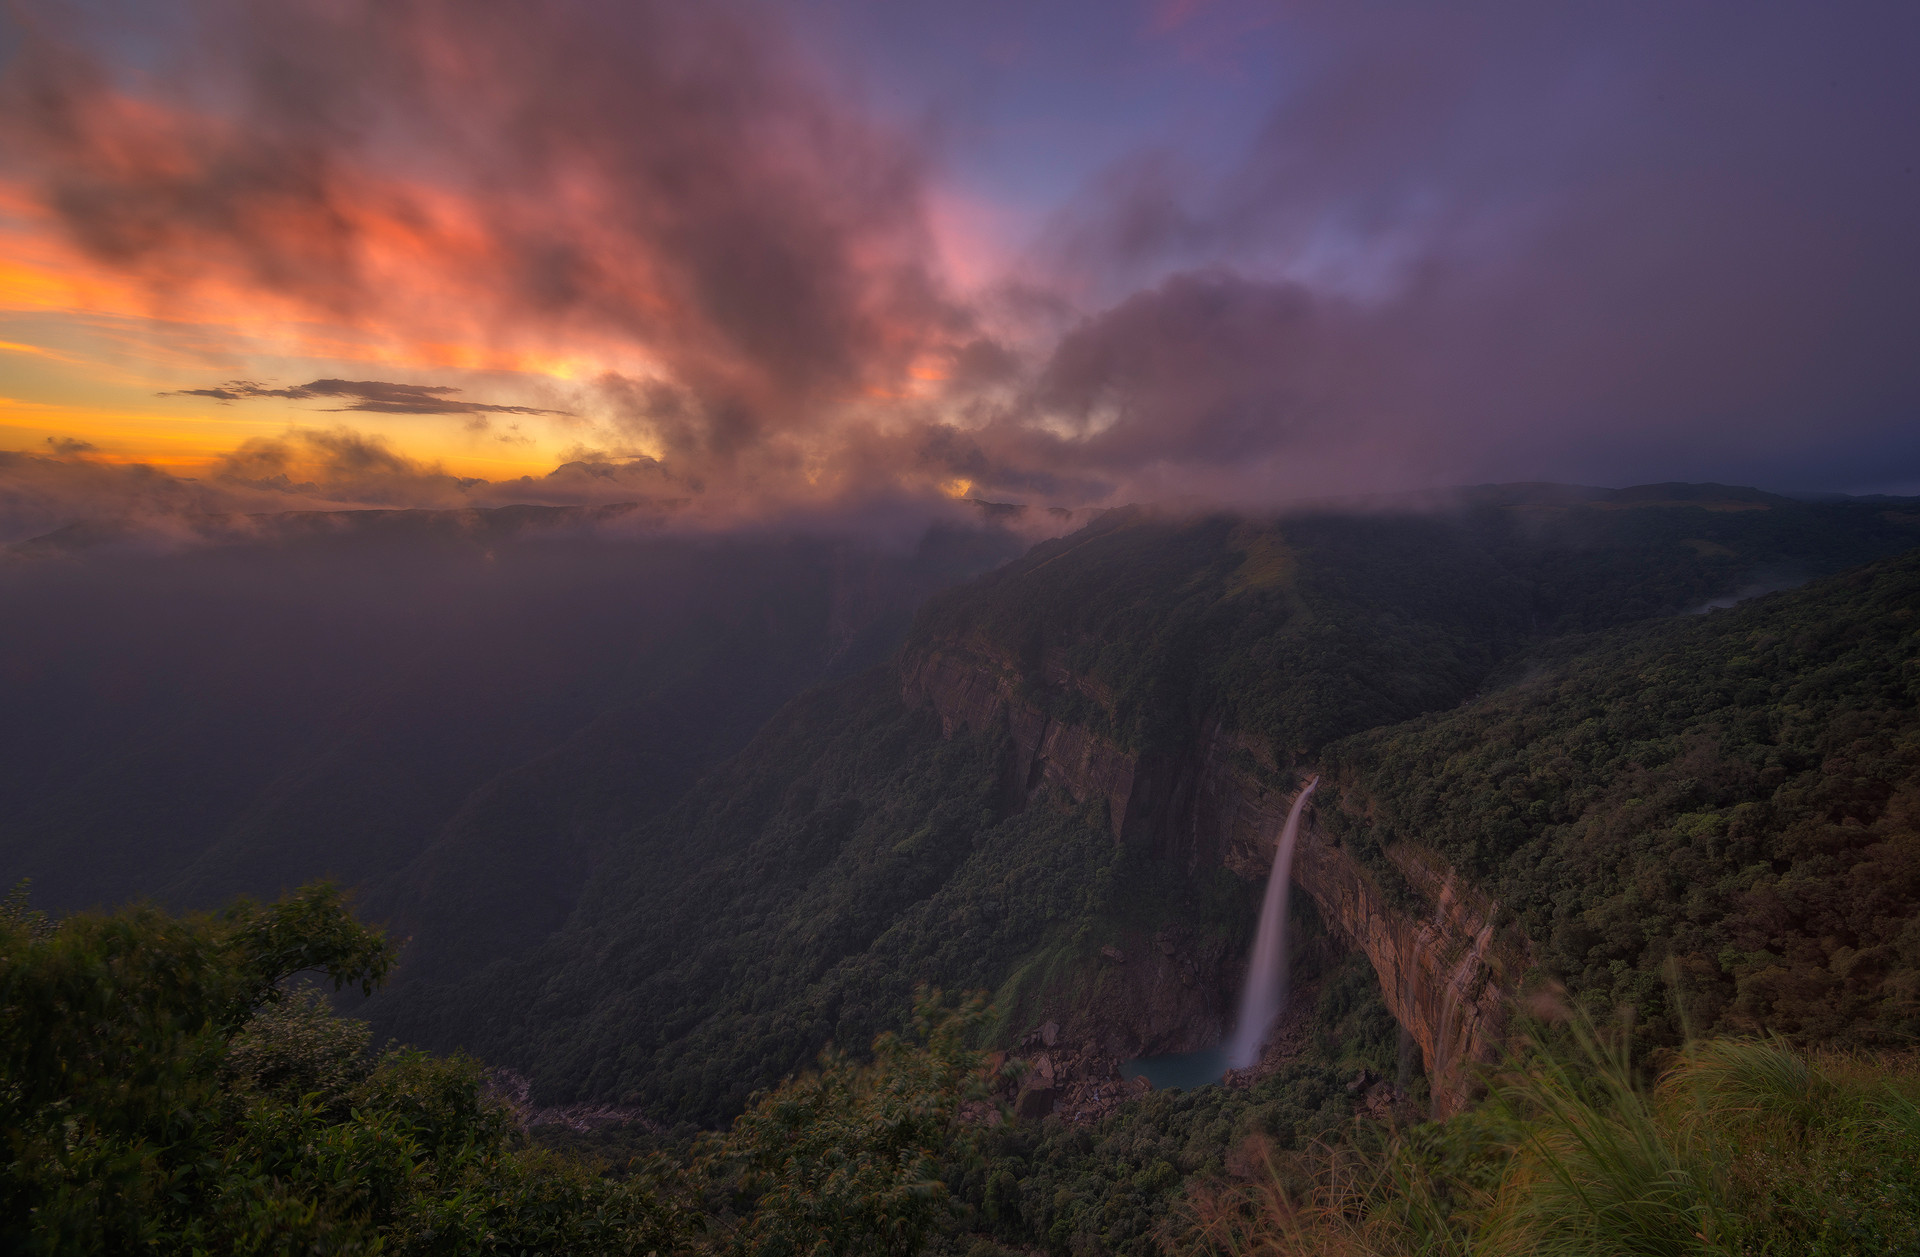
[(1549, 786), (1080, 830)]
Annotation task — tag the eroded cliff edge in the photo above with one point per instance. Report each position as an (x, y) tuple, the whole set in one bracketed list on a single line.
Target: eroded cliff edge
[(1449, 975)]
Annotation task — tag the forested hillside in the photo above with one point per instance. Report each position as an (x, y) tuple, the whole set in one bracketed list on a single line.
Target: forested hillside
[(1303, 629), (796, 899), (800, 891), (1736, 793)]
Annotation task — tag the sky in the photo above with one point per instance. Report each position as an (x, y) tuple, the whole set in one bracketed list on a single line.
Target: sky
[(765, 258)]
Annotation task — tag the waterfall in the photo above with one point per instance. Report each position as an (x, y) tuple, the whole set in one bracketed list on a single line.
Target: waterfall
[(1266, 991)]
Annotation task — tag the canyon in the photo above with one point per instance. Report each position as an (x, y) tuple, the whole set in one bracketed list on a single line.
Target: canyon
[(1448, 971)]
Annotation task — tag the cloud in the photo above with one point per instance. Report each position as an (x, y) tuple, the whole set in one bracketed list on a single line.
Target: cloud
[(326, 469), (377, 396), (1606, 244), (40, 493), (638, 182), (338, 469), (1498, 242)]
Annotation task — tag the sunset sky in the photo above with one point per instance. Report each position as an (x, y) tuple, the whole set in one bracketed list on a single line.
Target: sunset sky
[(776, 256)]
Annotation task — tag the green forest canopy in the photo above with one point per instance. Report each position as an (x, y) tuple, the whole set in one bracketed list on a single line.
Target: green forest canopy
[(1736, 794)]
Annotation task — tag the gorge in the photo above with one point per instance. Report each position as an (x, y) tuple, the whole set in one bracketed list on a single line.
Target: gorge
[(1179, 683), (1066, 788), (1447, 976)]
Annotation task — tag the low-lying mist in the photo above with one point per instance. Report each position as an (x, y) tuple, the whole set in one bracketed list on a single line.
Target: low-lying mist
[(355, 695)]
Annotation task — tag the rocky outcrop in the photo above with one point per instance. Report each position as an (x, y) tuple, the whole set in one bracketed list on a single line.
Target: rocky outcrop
[(1447, 974), (1079, 1084), (515, 1090)]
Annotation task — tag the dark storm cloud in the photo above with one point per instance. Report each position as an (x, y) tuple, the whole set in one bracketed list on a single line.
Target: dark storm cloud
[(377, 396)]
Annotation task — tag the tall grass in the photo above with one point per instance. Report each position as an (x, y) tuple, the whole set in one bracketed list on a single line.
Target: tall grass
[(1742, 1147)]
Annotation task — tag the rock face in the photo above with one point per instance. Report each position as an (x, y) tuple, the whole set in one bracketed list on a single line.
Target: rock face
[(1079, 1085), (1447, 977), (1446, 973), (974, 692)]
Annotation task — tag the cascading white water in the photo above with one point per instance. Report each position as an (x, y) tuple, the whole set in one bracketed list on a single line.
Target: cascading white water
[(1266, 991)]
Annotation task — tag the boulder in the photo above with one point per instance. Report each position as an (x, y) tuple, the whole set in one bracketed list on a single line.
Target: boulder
[(1034, 1102)]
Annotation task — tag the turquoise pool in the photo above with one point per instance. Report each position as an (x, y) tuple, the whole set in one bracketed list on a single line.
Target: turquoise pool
[(1185, 1070)]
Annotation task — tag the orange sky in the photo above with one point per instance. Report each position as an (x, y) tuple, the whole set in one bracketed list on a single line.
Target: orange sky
[(87, 354), (686, 243), (96, 353)]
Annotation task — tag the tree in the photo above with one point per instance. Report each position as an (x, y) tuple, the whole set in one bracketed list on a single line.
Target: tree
[(847, 1159), (161, 1093)]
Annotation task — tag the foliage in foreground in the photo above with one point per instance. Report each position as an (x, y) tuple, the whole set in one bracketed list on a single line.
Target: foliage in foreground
[(162, 1090), (1742, 1147), (1109, 1186)]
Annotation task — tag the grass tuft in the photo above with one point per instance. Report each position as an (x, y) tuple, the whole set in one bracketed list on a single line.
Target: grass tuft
[(1744, 1146)]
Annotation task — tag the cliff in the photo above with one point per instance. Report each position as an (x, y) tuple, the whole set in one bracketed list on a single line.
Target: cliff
[(1447, 974)]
